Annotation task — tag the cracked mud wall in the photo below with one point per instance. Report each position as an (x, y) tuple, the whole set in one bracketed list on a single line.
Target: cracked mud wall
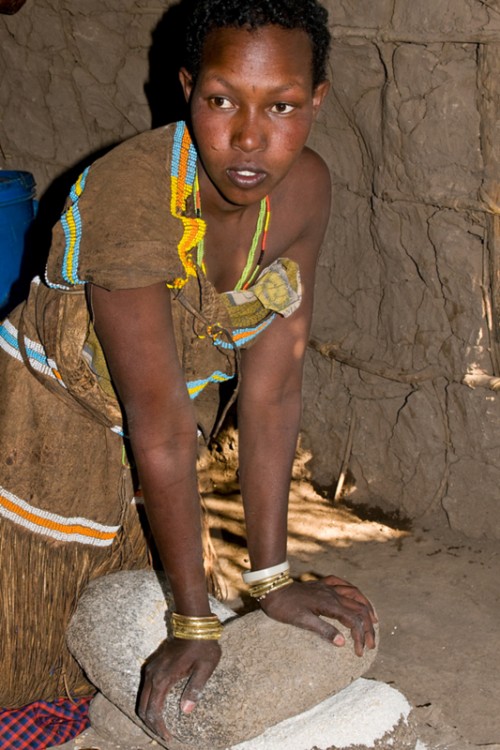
[(407, 311), (72, 80), (400, 399)]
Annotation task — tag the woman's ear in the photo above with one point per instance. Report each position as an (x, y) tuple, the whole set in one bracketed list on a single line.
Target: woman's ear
[(319, 95), (187, 84)]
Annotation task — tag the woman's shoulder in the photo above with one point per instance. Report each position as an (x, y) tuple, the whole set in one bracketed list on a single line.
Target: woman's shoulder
[(117, 229), (311, 176), (143, 151), (308, 183), (305, 195)]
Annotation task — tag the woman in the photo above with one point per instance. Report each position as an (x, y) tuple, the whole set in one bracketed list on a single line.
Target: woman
[(186, 255)]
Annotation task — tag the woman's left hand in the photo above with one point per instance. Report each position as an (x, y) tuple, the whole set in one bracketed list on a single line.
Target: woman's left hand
[(301, 604)]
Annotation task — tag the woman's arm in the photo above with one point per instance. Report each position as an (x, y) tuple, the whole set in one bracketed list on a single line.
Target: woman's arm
[(269, 411), (268, 423), (270, 396), (136, 332)]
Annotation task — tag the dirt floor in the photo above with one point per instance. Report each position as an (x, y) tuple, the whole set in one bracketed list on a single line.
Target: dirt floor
[(437, 596)]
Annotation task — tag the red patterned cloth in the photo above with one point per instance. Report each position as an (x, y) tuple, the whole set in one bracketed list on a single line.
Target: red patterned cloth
[(41, 725)]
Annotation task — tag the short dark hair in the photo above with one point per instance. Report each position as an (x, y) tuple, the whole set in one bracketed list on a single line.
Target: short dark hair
[(307, 15)]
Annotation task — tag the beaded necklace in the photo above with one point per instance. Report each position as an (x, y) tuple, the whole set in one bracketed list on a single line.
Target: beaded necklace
[(184, 177), (261, 232)]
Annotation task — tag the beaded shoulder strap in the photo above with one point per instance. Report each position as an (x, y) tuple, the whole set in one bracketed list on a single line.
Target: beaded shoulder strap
[(261, 232), (182, 176)]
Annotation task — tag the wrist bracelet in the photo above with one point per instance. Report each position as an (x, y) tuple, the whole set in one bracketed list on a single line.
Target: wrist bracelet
[(261, 589), (196, 628), (255, 576)]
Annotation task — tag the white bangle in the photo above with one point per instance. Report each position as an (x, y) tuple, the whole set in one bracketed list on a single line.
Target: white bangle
[(252, 576)]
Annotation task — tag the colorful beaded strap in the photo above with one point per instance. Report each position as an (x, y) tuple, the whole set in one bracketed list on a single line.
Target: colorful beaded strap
[(183, 171), (261, 232), (184, 178)]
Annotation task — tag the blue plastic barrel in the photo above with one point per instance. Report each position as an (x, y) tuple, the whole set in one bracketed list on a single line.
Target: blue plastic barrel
[(17, 193)]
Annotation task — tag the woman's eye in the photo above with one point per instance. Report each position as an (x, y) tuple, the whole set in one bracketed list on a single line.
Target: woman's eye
[(221, 102), (282, 108)]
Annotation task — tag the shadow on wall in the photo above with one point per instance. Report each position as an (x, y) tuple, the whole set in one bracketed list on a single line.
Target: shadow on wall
[(166, 102), (9, 7), (39, 236), (166, 56)]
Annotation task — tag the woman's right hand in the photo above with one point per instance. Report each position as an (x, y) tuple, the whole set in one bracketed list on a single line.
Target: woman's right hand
[(173, 661)]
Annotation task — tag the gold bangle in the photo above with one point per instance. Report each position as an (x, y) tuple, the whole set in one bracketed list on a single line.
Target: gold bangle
[(266, 584), (261, 589), (196, 628)]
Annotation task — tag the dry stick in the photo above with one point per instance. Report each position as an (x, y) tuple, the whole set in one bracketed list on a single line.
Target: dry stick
[(211, 563), (489, 193), (478, 379), (346, 459), (347, 33), (456, 204), (488, 308), (472, 379), (333, 351)]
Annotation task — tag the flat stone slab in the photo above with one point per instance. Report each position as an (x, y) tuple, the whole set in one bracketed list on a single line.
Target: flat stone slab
[(268, 673), (366, 714)]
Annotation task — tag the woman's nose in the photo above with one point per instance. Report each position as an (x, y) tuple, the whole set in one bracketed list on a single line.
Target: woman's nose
[(249, 133)]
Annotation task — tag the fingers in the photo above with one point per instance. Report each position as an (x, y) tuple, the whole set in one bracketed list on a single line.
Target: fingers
[(175, 660), (153, 718), (151, 702), (355, 615), (305, 605), (359, 626), (348, 605), (357, 622), (323, 628), (194, 689), (349, 590), (358, 634), (351, 614)]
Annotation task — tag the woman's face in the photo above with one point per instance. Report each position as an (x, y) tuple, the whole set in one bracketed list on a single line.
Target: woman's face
[(252, 108)]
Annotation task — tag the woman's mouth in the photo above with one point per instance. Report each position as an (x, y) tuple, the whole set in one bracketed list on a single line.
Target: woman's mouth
[(246, 177)]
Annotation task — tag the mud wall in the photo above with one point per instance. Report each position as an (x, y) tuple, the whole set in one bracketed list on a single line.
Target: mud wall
[(400, 394), (401, 409)]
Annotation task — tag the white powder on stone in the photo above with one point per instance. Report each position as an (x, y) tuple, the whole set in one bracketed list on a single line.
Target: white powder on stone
[(359, 715)]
